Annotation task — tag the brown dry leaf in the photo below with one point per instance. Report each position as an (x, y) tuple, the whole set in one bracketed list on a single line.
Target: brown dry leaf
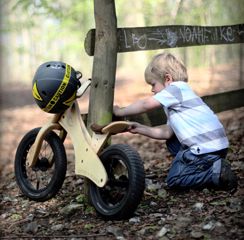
[(230, 210), (239, 192), (170, 220), (195, 234), (181, 225)]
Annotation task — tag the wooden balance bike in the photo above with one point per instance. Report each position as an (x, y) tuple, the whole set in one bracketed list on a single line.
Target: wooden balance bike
[(116, 173)]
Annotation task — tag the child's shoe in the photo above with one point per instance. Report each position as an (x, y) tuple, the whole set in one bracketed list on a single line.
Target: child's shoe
[(227, 180)]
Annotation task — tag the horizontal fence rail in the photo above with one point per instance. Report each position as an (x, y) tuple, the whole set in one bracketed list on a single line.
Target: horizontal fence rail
[(171, 36), (217, 102)]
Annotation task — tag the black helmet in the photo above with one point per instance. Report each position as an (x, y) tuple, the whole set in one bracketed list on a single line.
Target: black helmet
[(54, 86)]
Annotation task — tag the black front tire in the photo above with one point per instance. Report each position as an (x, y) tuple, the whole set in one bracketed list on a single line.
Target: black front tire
[(126, 182), (43, 181)]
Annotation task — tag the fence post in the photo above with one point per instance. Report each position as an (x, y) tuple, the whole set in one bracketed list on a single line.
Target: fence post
[(104, 69), (241, 83)]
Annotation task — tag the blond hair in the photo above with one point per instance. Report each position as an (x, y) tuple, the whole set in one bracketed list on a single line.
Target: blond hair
[(166, 63)]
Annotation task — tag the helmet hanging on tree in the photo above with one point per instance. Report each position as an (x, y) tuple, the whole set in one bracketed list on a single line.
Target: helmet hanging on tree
[(54, 86)]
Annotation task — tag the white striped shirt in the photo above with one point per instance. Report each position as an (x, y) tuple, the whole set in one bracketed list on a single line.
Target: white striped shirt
[(193, 122)]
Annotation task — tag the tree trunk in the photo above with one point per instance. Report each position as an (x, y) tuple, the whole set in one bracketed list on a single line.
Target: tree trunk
[(104, 68)]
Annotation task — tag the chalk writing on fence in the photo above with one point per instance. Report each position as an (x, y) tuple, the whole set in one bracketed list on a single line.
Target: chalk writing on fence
[(165, 36), (149, 38)]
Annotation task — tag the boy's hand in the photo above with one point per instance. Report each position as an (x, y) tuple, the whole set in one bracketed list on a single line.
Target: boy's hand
[(135, 128), (116, 110)]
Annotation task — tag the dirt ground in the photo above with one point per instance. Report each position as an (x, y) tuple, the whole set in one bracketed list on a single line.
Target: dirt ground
[(205, 214)]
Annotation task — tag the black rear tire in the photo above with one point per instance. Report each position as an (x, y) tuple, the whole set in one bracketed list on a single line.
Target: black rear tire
[(43, 181), (126, 182)]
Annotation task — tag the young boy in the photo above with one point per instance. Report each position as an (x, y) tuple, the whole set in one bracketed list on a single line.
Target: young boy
[(193, 132)]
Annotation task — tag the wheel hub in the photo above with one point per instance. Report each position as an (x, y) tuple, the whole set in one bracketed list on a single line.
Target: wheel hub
[(41, 164)]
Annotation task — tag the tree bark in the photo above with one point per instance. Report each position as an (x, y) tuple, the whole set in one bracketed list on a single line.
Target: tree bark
[(104, 69)]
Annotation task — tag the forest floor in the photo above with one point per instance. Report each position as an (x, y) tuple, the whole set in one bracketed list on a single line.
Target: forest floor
[(162, 214)]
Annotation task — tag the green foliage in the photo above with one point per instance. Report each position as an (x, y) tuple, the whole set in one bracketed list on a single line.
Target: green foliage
[(162, 196), (206, 236), (90, 209), (88, 226), (80, 198), (15, 216), (45, 30), (224, 202), (142, 206), (152, 227), (220, 203)]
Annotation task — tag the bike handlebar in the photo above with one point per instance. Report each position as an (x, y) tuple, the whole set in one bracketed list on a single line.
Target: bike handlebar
[(83, 88)]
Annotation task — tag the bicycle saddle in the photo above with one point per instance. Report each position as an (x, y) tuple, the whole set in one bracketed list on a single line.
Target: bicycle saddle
[(113, 127)]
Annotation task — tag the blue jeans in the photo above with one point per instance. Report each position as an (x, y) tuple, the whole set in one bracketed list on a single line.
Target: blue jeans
[(189, 171)]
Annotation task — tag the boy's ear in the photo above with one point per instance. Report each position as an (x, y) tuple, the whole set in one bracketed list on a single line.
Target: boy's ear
[(168, 78)]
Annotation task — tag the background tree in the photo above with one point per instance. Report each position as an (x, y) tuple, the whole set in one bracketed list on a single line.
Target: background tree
[(35, 31)]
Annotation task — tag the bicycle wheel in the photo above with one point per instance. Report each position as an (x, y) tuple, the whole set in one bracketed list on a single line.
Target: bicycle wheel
[(126, 182), (44, 180)]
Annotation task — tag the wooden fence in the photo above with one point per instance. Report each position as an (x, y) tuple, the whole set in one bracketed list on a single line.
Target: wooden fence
[(107, 40), (161, 37), (217, 102)]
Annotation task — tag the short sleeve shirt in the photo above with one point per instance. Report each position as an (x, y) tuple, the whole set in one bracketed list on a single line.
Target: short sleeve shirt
[(193, 122)]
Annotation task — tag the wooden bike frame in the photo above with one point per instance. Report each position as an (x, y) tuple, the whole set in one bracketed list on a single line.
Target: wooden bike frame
[(86, 148)]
